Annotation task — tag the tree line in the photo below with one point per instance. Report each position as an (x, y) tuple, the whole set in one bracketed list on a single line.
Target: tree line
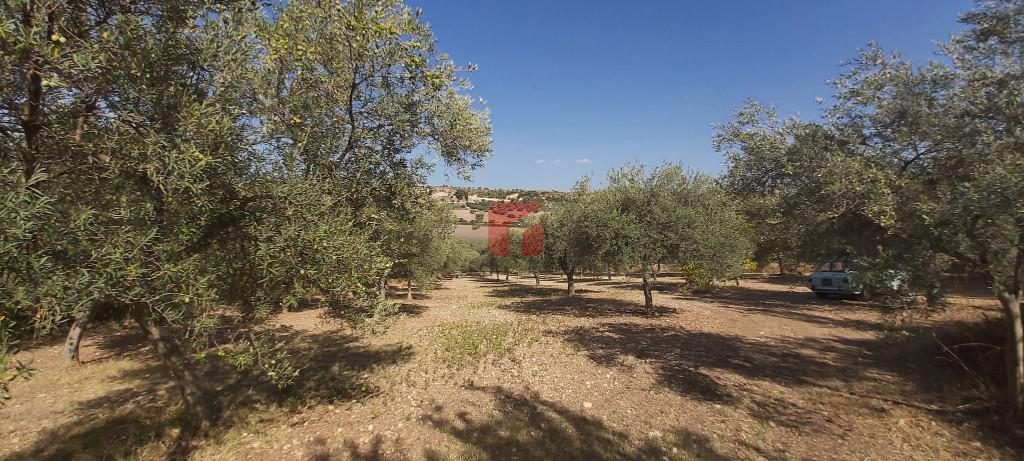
[(643, 218)]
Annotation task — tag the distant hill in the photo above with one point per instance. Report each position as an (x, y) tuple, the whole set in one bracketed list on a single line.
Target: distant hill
[(471, 205), (487, 194)]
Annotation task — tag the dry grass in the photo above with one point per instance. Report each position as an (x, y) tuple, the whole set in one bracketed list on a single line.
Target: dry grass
[(460, 344)]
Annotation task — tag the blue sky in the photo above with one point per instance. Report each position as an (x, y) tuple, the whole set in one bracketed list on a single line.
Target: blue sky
[(578, 87)]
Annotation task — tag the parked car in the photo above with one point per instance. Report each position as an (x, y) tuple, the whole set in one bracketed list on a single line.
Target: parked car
[(839, 278), (835, 277)]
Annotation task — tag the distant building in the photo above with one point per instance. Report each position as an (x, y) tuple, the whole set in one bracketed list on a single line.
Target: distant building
[(473, 198), (443, 193)]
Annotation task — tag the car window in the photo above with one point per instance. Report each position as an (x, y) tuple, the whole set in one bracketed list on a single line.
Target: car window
[(833, 266)]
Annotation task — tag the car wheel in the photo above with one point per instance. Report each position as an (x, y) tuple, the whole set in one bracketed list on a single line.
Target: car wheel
[(820, 295)]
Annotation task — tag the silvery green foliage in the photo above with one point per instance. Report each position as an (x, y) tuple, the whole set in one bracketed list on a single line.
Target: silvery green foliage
[(23, 282), (920, 159), (667, 215), (580, 231), (645, 217), (184, 156)]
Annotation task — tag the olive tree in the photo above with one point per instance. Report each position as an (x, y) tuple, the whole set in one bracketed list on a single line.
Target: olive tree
[(760, 187), (667, 215), (460, 257), (423, 243), (118, 104), (577, 231)]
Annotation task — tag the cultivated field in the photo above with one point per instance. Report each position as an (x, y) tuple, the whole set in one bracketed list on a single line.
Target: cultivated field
[(466, 233), (488, 369)]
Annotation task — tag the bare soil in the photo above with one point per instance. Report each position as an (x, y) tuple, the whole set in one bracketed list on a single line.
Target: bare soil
[(487, 369), (466, 233)]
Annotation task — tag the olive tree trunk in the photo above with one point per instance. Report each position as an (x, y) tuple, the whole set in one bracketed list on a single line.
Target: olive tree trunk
[(648, 297), (71, 346), (536, 277), (408, 292), (1014, 350), (570, 285), (196, 399), (383, 288)]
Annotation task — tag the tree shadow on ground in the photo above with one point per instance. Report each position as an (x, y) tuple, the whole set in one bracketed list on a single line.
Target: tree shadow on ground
[(704, 366), (619, 283), (786, 280), (320, 449), (491, 281), (526, 291), (528, 427), (687, 361), (664, 285), (587, 307), (958, 363), (525, 278), (142, 412), (698, 365), (110, 342), (793, 305), (400, 295), (948, 387), (411, 309)]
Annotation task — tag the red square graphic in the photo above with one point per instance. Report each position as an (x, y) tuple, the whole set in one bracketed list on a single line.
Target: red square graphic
[(502, 215)]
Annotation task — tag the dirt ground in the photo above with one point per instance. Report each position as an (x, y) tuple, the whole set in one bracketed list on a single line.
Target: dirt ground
[(482, 369)]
